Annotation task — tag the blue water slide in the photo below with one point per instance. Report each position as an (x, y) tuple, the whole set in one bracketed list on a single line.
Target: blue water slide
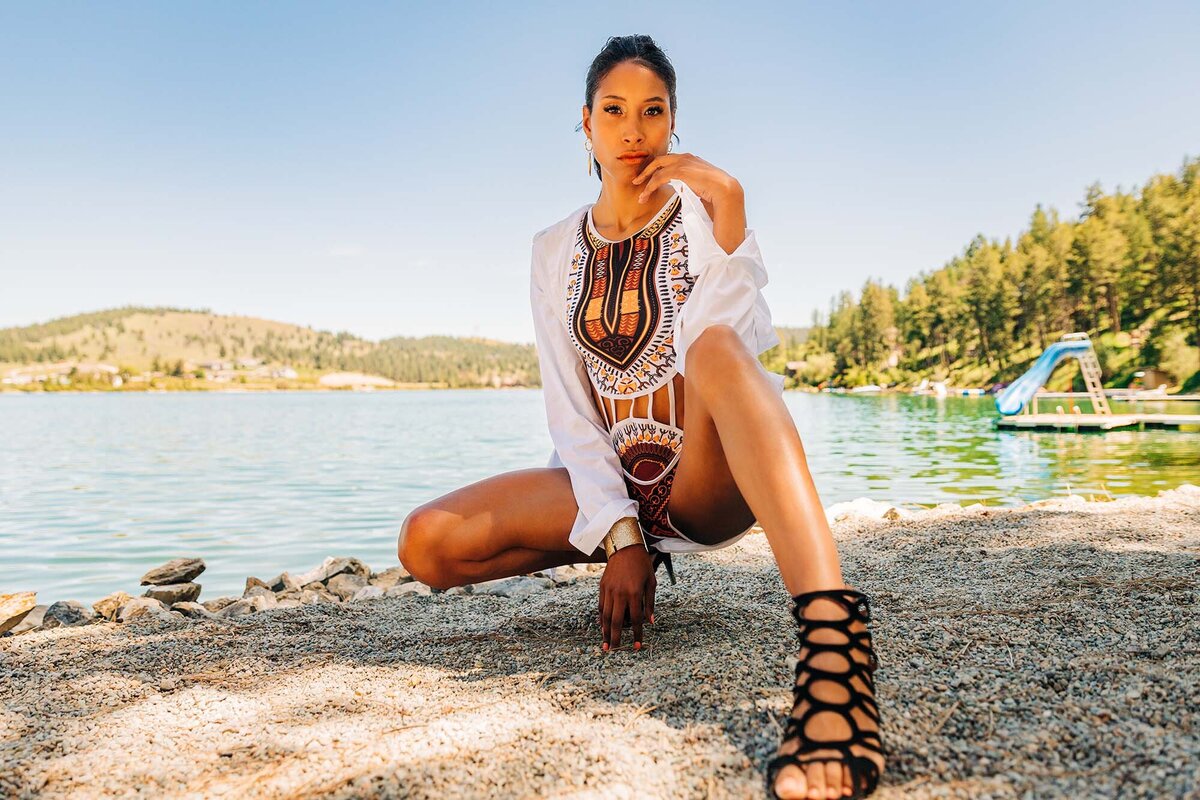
[(1014, 396)]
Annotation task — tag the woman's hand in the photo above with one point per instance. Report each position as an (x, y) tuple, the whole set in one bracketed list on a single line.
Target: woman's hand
[(721, 193), (711, 184), (626, 590)]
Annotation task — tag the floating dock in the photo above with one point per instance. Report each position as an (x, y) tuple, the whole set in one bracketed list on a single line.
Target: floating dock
[(1098, 422)]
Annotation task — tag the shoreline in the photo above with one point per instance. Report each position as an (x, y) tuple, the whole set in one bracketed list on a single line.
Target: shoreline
[(1046, 650)]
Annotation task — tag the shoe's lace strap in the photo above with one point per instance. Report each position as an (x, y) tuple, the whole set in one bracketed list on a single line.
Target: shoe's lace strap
[(864, 772)]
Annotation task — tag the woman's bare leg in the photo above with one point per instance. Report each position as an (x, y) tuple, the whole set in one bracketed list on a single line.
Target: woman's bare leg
[(742, 459), (509, 524)]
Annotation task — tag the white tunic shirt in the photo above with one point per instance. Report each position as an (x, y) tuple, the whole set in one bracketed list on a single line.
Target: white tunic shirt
[(721, 288)]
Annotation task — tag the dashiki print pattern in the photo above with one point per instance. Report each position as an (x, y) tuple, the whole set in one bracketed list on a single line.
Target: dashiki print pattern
[(622, 300)]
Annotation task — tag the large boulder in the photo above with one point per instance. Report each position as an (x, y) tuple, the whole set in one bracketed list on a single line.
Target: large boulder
[(172, 593), (331, 567), (517, 586), (322, 596), (346, 584), (411, 587), (283, 582), (258, 590), (107, 607), (67, 614), (143, 607), (177, 570), (32, 621), (219, 603), (393, 576), (367, 593), (238, 608), (14, 608), (193, 610)]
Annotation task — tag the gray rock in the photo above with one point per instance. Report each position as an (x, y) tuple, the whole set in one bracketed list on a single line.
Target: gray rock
[(331, 567), (412, 587), (32, 621), (367, 593), (172, 593), (346, 584), (565, 575), (219, 603), (67, 614), (142, 607), (262, 602), (14, 608), (283, 582), (289, 603), (393, 576), (252, 583), (193, 610), (257, 591), (517, 586), (238, 608), (178, 570), (317, 596), (107, 607)]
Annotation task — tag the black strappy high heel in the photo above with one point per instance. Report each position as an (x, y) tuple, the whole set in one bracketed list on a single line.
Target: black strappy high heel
[(663, 558), (864, 774)]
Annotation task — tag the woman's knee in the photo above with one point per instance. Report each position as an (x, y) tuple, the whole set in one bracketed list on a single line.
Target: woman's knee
[(422, 534)]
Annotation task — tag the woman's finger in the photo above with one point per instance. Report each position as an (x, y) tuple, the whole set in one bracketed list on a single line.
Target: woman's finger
[(660, 177), (617, 616), (650, 588), (603, 618), (636, 610), (648, 168)]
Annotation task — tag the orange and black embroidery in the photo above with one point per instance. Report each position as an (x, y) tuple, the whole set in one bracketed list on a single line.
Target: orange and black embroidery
[(622, 300)]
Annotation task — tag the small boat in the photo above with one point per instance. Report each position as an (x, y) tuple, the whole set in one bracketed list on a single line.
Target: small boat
[(870, 388)]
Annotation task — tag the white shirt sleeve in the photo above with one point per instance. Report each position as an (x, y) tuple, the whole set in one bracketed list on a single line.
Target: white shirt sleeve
[(581, 442), (728, 288)]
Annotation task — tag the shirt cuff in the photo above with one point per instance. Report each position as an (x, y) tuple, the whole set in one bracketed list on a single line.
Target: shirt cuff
[(586, 534)]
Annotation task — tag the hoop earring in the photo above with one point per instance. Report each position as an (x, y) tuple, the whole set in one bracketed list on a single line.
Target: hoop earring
[(669, 143), (587, 145)]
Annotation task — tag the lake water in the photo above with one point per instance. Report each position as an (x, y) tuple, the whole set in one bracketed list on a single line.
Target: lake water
[(97, 488)]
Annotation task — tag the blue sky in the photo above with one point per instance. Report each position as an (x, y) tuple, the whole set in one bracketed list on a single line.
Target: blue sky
[(381, 168)]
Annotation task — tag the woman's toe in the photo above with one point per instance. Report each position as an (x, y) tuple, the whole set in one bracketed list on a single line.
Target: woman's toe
[(816, 781), (847, 782), (790, 785), (833, 780)]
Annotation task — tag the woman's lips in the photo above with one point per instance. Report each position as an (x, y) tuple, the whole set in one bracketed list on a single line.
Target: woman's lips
[(632, 159)]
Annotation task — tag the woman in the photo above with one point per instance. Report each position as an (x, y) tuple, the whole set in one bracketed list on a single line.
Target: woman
[(642, 300)]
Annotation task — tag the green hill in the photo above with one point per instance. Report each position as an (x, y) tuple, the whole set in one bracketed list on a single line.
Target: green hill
[(175, 341)]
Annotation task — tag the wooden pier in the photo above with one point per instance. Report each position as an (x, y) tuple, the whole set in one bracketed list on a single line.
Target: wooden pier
[(1098, 422)]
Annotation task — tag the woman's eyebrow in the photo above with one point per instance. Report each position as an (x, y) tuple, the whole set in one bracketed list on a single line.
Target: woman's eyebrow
[(655, 99)]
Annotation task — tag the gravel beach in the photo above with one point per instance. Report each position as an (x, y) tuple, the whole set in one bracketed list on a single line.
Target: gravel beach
[(1047, 651)]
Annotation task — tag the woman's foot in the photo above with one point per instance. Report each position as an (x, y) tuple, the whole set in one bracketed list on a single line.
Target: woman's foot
[(826, 675)]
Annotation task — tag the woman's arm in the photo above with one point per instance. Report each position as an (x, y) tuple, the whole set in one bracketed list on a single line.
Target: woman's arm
[(728, 213), (728, 287)]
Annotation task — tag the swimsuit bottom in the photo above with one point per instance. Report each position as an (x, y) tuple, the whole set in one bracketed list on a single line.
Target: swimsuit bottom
[(649, 453)]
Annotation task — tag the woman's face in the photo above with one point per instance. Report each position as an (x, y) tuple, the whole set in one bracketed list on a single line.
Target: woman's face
[(632, 121)]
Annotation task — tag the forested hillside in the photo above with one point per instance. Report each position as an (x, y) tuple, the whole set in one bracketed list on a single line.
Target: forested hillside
[(172, 340), (1126, 271)]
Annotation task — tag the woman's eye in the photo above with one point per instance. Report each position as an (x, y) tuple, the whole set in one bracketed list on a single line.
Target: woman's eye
[(657, 109)]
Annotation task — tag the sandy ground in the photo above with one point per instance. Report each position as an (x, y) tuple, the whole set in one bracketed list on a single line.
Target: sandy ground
[(1047, 651)]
